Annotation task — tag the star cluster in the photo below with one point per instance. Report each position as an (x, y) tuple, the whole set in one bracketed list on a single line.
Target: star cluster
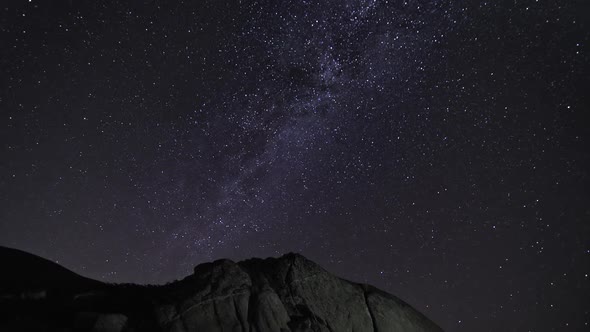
[(434, 149)]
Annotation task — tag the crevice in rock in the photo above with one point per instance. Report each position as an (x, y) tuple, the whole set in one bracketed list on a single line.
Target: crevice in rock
[(328, 326), (289, 270), (369, 308), (252, 307), (288, 284), (212, 299), (245, 327), (216, 313), (180, 316)]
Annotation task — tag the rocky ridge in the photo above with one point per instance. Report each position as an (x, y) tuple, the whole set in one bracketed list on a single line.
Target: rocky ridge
[(290, 293)]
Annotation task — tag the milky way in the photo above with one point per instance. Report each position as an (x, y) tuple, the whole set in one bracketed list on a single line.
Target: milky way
[(433, 149)]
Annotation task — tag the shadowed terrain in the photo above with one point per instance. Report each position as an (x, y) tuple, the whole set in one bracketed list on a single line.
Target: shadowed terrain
[(289, 293)]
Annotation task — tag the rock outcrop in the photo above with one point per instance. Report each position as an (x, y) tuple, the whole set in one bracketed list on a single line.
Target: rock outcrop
[(289, 293)]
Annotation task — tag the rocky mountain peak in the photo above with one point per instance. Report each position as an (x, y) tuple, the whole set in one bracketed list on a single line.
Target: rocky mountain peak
[(289, 293)]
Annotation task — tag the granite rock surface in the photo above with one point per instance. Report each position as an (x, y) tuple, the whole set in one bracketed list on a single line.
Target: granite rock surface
[(289, 293)]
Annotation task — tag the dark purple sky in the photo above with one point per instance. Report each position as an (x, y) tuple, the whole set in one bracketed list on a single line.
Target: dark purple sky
[(434, 149)]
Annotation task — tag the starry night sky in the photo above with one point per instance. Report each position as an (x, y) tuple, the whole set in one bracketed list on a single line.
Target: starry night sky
[(435, 149)]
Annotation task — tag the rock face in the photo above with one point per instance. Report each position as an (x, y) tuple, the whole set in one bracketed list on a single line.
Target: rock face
[(289, 293)]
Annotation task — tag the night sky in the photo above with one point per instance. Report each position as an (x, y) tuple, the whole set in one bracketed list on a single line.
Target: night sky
[(434, 149)]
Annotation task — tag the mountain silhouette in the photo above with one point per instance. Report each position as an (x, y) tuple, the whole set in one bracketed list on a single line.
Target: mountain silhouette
[(289, 293)]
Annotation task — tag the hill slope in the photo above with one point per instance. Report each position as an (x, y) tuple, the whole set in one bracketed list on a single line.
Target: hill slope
[(289, 293)]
